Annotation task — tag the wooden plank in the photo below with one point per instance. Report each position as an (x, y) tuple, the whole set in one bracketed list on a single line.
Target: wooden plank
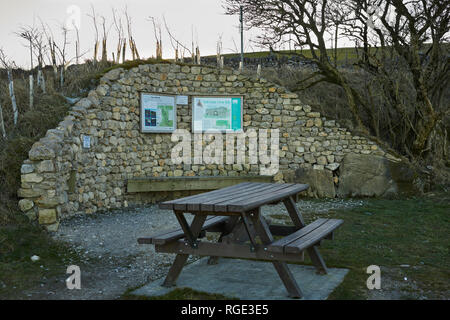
[(220, 204), (189, 235), (192, 202), (180, 259), (227, 250), (170, 204), (313, 237), (243, 198), (155, 184), (196, 204), (317, 260), (176, 234), (293, 212), (282, 269), (266, 197), (248, 221), (278, 246)]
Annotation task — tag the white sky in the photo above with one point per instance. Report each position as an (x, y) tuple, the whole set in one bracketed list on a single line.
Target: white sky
[(206, 17)]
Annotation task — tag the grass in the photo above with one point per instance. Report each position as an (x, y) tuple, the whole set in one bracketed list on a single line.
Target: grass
[(390, 233), (347, 54), (19, 239), (176, 294), (387, 233), (18, 243)]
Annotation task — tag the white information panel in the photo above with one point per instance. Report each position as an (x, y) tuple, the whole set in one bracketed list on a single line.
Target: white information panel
[(158, 113)]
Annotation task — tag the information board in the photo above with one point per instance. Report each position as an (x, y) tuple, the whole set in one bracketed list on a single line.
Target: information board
[(158, 113), (220, 114)]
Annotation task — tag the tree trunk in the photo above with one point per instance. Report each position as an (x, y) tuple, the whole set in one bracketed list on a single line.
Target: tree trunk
[(2, 123), (124, 51), (136, 51), (119, 50), (424, 128), (95, 52), (31, 91), (335, 45), (61, 77), (13, 96), (104, 52)]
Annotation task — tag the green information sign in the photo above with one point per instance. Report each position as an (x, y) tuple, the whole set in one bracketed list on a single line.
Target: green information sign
[(217, 113)]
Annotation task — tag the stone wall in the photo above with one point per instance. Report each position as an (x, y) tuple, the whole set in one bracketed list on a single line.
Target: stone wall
[(61, 178)]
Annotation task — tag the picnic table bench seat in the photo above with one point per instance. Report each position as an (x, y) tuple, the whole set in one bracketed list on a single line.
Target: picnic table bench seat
[(306, 237), (177, 234)]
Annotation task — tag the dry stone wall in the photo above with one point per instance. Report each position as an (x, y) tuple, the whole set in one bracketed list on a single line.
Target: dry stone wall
[(61, 178)]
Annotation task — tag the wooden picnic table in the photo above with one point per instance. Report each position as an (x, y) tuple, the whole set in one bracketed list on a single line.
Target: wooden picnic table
[(235, 212)]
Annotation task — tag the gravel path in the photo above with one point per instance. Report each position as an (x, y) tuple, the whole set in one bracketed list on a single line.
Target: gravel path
[(113, 261)]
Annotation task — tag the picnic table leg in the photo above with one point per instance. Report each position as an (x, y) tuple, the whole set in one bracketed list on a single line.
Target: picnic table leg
[(180, 259), (298, 221), (282, 269), (227, 229)]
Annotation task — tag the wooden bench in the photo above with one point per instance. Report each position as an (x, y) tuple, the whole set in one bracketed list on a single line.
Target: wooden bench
[(176, 234), (155, 184), (306, 237)]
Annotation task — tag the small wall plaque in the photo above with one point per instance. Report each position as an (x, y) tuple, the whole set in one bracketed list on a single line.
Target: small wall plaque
[(86, 142), (183, 100)]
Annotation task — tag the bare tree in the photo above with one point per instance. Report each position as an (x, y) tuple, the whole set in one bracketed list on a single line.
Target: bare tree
[(415, 30), (52, 51), (8, 64), (93, 16), (120, 34), (28, 33), (158, 37), (40, 51), (104, 41), (62, 55), (176, 44), (132, 43), (77, 45)]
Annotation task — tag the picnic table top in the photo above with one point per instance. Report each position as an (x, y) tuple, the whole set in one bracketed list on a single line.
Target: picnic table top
[(235, 199)]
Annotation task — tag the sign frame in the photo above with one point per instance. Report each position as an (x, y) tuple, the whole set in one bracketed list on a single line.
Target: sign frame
[(218, 130), (147, 129)]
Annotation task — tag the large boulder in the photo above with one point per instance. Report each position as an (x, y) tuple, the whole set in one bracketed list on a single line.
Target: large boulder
[(321, 183), (374, 176)]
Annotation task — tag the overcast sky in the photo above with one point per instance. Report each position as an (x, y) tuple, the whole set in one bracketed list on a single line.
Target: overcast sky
[(205, 17)]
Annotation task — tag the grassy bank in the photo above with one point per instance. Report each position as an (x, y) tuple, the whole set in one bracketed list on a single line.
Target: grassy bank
[(20, 239)]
